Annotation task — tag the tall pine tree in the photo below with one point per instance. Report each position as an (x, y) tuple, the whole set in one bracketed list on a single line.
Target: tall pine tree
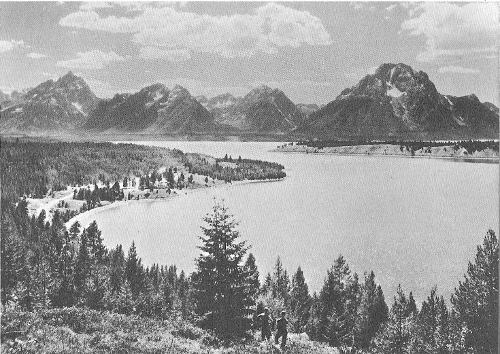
[(475, 302), (221, 282)]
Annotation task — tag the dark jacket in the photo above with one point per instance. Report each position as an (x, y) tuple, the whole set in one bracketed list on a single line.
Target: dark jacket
[(282, 322)]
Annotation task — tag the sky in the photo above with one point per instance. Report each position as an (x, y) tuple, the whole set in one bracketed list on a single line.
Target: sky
[(310, 50)]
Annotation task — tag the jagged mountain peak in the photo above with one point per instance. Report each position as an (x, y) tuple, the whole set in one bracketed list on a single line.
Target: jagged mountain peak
[(261, 90), (51, 106), (393, 81), (399, 101)]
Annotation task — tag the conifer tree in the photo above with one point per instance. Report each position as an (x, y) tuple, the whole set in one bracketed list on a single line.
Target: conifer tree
[(82, 268), (300, 302), (220, 282), (116, 269), (12, 254), (335, 321), (430, 332), (253, 283), (280, 281), (475, 302), (371, 313), (74, 230), (134, 271), (267, 285), (396, 335)]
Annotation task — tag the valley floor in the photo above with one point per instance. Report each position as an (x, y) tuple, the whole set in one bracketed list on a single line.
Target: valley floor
[(487, 155)]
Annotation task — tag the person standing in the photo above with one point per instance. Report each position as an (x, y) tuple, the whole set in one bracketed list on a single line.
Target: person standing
[(281, 330), (265, 319)]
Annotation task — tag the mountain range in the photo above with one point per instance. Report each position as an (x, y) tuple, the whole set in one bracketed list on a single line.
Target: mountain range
[(153, 110), (398, 102), (394, 102), (52, 106), (262, 110)]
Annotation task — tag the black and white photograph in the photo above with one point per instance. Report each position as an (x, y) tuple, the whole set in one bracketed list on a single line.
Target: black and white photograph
[(249, 177)]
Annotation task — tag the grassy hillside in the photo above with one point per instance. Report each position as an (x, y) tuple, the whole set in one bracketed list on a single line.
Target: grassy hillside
[(72, 330)]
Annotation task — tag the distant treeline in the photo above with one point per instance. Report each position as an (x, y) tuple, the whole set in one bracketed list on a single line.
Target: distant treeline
[(35, 168), (241, 170), (469, 145)]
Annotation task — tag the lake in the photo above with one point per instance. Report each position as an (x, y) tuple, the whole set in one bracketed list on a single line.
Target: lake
[(413, 221)]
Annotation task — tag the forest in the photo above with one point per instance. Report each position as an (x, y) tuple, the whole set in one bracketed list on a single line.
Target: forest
[(469, 145), (54, 277), (63, 290), (33, 168)]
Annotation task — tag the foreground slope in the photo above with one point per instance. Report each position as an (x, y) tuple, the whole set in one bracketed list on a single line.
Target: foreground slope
[(71, 330), (398, 101)]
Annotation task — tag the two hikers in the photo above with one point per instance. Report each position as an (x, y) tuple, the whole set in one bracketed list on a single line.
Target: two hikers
[(281, 328)]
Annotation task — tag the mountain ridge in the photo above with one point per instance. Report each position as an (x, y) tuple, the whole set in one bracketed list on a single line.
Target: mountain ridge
[(394, 102), (399, 102)]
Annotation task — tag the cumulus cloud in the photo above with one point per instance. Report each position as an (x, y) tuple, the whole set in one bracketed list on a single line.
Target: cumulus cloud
[(168, 54), (452, 29), (34, 55), (265, 29), (92, 5), (457, 70), (94, 59), (7, 46)]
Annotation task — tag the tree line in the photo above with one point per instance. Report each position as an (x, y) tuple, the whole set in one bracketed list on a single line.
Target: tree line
[(470, 146), (34, 168), (44, 265)]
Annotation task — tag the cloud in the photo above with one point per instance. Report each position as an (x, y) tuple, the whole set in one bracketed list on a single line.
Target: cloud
[(266, 29), (7, 46), (457, 70), (173, 55), (361, 5), (93, 5), (34, 55), (94, 59), (453, 29)]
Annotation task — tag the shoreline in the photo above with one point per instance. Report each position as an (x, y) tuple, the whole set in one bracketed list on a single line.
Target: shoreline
[(153, 200), (364, 152)]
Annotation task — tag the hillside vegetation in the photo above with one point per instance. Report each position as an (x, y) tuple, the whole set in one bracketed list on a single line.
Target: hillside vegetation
[(36, 167), (63, 291)]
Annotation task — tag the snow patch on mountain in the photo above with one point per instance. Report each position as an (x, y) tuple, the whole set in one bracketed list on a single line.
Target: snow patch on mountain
[(393, 91), (78, 107)]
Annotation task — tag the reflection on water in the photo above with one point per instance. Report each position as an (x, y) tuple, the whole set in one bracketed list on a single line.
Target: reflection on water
[(412, 221)]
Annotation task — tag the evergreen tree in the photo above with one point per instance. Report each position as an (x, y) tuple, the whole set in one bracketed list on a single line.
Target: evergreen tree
[(371, 314), (134, 271), (475, 302), (396, 335), (280, 281), (82, 268), (12, 254), (300, 302), (335, 319), (267, 285), (430, 332), (74, 230), (253, 283), (221, 282)]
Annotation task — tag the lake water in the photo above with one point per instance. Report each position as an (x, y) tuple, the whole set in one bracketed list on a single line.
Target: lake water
[(414, 222)]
